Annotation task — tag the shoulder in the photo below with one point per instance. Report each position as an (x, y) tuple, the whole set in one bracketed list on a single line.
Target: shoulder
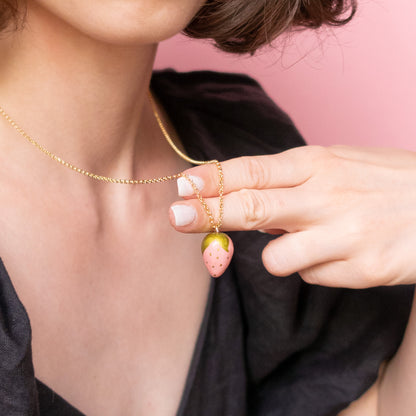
[(233, 106), (204, 81)]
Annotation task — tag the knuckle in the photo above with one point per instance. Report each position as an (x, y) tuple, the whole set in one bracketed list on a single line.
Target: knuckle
[(256, 172), (353, 229), (322, 157), (317, 157), (253, 208), (337, 147), (317, 151), (316, 148)]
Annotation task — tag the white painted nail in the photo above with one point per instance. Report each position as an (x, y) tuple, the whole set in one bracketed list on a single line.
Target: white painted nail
[(261, 231), (184, 214), (185, 188)]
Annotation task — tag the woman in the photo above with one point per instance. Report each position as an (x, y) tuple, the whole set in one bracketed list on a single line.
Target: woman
[(124, 319)]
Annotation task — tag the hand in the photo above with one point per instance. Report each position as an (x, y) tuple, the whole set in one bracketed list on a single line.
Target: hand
[(347, 215)]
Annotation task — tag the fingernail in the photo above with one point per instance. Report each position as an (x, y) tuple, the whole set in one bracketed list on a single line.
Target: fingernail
[(185, 188), (262, 231), (183, 214)]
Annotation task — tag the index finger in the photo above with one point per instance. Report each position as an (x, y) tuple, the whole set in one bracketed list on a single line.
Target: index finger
[(281, 170)]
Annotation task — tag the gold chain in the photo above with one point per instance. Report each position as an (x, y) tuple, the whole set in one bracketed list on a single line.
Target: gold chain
[(215, 225)]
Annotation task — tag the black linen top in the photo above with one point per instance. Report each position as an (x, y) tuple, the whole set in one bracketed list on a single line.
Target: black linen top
[(267, 346)]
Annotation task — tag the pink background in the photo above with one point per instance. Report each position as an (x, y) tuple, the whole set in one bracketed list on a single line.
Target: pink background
[(352, 85)]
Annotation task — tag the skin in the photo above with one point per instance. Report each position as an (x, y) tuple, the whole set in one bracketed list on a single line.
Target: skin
[(357, 208), (84, 256)]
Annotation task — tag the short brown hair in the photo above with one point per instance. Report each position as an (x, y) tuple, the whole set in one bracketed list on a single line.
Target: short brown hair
[(9, 13), (243, 26)]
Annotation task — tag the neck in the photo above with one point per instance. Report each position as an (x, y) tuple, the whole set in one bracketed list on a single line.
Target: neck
[(84, 100)]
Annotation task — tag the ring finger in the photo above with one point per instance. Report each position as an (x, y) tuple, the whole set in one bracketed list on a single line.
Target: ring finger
[(294, 252)]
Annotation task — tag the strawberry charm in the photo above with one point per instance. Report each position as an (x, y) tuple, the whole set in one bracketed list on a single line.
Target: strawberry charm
[(217, 248), (217, 251)]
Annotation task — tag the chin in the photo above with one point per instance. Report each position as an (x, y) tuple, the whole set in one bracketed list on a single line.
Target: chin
[(122, 22)]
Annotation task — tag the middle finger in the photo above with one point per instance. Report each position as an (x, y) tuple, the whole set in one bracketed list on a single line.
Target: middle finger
[(289, 209)]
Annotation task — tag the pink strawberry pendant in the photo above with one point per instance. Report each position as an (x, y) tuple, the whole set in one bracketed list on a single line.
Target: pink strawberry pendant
[(217, 251)]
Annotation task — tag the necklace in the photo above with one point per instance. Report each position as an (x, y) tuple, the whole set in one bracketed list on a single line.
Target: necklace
[(217, 247)]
